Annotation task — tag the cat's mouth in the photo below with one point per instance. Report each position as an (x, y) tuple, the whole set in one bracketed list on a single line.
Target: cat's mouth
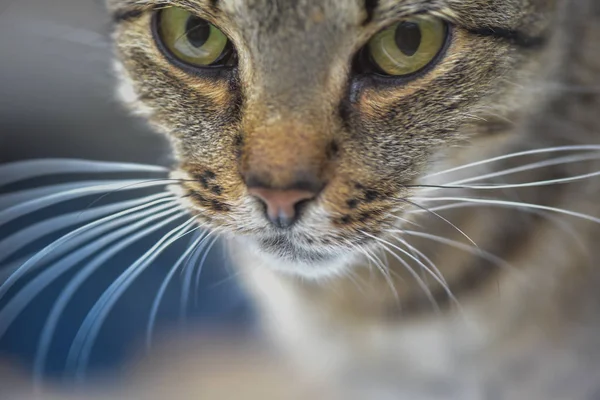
[(288, 249), (288, 254), (309, 249)]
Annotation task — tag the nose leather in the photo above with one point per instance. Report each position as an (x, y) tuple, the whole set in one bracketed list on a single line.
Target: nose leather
[(282, 205)]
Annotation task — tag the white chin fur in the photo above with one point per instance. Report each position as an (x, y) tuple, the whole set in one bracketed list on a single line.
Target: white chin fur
[(336, 266)]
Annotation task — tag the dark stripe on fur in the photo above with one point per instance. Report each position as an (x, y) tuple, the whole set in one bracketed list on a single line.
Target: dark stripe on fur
[(370, 6), (126, 15)]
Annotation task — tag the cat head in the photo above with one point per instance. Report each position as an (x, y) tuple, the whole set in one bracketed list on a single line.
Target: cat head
[(300, 126)]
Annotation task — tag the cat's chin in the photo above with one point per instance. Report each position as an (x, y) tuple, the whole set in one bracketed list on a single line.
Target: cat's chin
[(291, 259)]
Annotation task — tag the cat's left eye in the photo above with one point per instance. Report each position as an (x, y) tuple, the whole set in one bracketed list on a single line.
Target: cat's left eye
[(408, 46), (193, 40)]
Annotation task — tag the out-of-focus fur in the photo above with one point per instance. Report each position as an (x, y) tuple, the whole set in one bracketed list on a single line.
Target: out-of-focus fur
[(528, 326)]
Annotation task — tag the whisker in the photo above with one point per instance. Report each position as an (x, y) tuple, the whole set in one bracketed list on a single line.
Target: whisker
[(120, 241), (22, 170), (186, 286), (20, 210), (385, 272), (85, 338), (405, 220), (225, 280), (563, 225), (135, 186), (416, 276), (8, 269), (440, 217), (513, 185), (163, 288), (423, 273), (10, 199), (530, 166), (439, 279), (513, 204), (568, 230), (82, 234), (475, 117), (30, 234), (199, 270), (563, 160), (518, 154), (420, 254), (351, 275), (24, 296), (486, 255)]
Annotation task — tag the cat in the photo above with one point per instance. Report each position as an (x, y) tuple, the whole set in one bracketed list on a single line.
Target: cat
[(405, 186), (313, 134)]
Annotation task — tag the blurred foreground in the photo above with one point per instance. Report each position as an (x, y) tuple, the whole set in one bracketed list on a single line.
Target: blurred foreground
[(198, 368)]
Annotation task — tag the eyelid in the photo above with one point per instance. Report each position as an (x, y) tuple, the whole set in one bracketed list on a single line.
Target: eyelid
[(124, 15), (132, 12)]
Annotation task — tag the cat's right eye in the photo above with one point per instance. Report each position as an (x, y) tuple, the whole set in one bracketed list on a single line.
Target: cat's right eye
[(192, 40)]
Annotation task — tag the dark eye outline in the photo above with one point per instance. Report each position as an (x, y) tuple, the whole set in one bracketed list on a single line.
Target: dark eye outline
[(364, 66), (216, 69)]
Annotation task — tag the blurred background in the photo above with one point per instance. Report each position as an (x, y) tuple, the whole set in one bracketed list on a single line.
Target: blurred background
[(56, 100)]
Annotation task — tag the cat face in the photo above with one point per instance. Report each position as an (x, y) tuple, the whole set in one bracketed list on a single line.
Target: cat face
[(300, 126)]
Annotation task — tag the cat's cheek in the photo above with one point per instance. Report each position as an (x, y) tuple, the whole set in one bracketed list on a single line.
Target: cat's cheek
[(127, 94)]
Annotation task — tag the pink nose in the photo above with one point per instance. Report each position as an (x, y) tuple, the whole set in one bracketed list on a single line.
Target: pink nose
[(282, 205)]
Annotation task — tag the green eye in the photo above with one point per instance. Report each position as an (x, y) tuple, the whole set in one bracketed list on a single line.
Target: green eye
[(192, 39), (408, 46)]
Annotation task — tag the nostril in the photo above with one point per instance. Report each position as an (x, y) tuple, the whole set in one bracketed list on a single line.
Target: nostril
[(282, 206)]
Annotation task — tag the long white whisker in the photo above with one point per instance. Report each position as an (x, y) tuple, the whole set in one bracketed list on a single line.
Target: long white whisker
[(80, 235), (520, 185), (420, 254), (460, 183), (461, 246), (385, 272), (189, 273), (415, 275), (30, 234), (567, 229), (440, 217), (529, 167), (351, 275), (84, 274), (561, 224), (86, 336), (514, 204), (24, 296), (21, 170), (439, 280), (199, 270), (518, 154), (13, 198), (163, 288), (22, 209)]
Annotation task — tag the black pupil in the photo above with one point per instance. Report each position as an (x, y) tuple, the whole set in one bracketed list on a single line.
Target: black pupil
[(408, 38), (197, 31)]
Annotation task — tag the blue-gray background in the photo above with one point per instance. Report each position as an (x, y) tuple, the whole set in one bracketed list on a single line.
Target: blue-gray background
[(56, 100)]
